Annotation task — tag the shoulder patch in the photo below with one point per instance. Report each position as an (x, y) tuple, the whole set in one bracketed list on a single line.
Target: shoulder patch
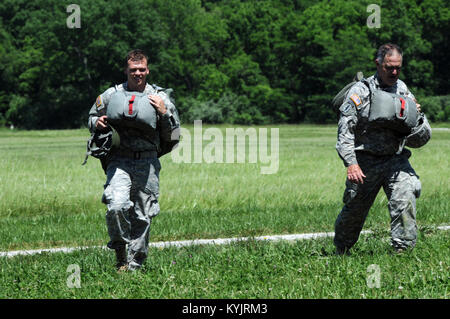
[(355, 98), (346, 109), (98, 102)]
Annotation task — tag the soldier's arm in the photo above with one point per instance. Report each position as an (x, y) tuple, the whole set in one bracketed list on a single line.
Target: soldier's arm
[(346, 149), (93, 117), (169, 121), (358, 98), (421, 133), (345, 145), (98, 109), (411, 96), (419, 110), (348, 119)]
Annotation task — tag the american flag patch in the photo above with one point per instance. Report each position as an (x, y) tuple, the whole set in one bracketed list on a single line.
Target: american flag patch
[(355, 98)]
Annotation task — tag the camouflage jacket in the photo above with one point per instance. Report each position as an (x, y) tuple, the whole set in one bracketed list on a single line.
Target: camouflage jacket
[(354, 131), (133, 140)]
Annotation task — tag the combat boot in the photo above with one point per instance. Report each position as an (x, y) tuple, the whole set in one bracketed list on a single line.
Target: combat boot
[(136, 260), (121, 257), (342, 251), (122, 269)]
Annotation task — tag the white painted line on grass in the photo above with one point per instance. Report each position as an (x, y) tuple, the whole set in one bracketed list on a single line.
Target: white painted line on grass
[(225, 241), (440, 129), (39, 251), (194, 242), (180, 243)]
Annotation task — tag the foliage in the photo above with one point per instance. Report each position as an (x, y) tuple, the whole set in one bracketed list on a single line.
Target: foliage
[(281, 60), (437, 108)]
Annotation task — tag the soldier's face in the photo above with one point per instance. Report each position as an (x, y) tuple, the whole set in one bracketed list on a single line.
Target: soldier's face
[(136, 72), (389, 69)]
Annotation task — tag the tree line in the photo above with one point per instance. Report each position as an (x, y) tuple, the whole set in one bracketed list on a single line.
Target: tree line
[(230, 61)]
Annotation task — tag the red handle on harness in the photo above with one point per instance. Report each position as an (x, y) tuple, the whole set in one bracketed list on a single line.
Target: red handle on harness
[(130, 104), (403, 107)]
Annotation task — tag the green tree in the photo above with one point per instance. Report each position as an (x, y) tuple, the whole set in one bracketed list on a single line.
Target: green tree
[(252, 61)]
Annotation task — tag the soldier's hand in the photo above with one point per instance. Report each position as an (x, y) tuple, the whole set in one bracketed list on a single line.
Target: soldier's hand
[(157, 103), (418, 106), (101, 123), (355, 174)]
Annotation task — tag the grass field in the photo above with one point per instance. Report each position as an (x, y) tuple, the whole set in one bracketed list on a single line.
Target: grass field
[(47, 199)]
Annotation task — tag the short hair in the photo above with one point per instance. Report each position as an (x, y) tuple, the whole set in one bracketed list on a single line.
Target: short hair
[(135, 55), (387, 49)]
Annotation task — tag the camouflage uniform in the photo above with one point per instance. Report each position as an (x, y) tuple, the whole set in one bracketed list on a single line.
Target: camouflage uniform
[(132, 187), (383, 159)]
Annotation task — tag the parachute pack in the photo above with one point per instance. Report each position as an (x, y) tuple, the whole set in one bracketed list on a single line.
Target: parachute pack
[(340, 97), (387, 110), (132, 110), (393, 111), (127, 109)]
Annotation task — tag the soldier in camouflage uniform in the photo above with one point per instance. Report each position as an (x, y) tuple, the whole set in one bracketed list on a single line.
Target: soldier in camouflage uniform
[(375, 158), (132, 187)]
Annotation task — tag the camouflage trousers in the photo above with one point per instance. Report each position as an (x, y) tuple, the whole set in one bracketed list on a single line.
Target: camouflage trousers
[(402, 187), (131, 196)]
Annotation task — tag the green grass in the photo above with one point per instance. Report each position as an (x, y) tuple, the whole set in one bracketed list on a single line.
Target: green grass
[(47, 199), (303, 269)]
